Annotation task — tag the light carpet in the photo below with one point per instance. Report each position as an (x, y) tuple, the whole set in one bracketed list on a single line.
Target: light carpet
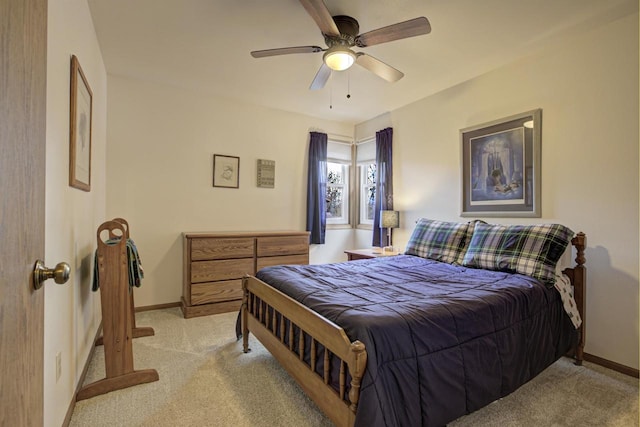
[(206, 380)]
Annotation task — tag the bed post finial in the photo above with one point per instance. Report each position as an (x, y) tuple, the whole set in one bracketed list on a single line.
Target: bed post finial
[(357, 372), (580, 243)]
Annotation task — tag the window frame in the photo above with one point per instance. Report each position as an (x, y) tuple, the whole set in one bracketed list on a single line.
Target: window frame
[(355, 162), (362, 167), (364, 154), (343, 221)]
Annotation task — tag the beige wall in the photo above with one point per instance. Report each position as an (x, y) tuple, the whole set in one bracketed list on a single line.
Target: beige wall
[(72, 311), (161, 145), (588, 91)]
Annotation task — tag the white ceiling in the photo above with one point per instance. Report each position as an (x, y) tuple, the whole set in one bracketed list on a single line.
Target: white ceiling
[(204, 45)]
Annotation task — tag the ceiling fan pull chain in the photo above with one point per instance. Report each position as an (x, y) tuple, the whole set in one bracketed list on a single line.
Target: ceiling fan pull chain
[(348, 85), (331, 95)]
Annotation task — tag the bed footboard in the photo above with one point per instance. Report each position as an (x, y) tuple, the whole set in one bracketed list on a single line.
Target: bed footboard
[(298, 339)]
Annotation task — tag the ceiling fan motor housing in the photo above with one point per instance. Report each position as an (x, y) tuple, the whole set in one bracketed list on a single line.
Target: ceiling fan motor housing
[(349, 29)]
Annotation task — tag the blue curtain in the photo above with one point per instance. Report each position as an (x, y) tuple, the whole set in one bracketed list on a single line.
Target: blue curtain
[(317, 187), (384, 183)]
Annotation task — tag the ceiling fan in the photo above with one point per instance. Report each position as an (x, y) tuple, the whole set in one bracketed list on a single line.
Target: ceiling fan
[(341, 34)]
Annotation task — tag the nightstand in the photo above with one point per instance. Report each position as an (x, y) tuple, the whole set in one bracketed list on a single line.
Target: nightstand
[(354, 254)]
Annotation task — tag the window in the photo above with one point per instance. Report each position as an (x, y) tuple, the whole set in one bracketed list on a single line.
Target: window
[(351, 183), (337, 193), (339, 160), (365, 158), (367, 192)]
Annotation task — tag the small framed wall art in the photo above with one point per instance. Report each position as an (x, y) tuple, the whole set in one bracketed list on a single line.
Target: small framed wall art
[(226, 171), (80, 129), (501, 167), (266, 173)]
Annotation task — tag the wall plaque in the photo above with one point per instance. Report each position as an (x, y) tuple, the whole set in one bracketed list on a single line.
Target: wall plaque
[(266, 173)]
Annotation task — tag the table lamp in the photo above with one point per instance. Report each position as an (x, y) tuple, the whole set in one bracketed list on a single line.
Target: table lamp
[(389, 220)]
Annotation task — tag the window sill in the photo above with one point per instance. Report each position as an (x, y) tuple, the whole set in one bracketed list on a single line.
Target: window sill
[(338, 226)]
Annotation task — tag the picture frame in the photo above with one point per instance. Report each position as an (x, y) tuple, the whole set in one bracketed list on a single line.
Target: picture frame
[(226, 171), (266, 173), (80, 125), (501, 167)]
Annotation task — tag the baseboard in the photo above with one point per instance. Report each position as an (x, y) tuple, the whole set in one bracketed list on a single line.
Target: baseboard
[(611, 365), (158, 306), (72, 405)]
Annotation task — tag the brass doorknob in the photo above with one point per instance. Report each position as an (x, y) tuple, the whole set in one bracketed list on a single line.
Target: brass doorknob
[(60, 274)]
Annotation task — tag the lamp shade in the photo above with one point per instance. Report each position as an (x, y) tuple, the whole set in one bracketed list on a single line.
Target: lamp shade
[(389, 219)]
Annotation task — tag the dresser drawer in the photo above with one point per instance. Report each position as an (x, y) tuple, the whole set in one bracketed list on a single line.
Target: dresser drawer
[(282, 245), (205, 249), (227, 269), (280, 260), (207, 292)]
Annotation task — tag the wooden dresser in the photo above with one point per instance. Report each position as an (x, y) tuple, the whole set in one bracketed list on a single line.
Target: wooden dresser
[(214, 264)]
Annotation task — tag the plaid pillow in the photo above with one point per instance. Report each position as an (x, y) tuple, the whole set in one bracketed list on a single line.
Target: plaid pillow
[(467, 239), (438, 240), (533, 250)]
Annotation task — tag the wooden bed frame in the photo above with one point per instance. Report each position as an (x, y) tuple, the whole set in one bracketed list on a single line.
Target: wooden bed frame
[(266, 312)]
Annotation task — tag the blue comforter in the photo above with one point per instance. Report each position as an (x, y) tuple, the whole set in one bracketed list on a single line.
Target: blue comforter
[(442, 340)]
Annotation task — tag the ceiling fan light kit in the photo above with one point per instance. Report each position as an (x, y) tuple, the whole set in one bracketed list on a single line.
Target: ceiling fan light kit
[(341, 34), (339, 58)]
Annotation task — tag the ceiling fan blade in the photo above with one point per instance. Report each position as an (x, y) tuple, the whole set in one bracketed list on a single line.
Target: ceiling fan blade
[(321, 77), (402, 30), (286, 51), (379, 68), (322, 16)]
